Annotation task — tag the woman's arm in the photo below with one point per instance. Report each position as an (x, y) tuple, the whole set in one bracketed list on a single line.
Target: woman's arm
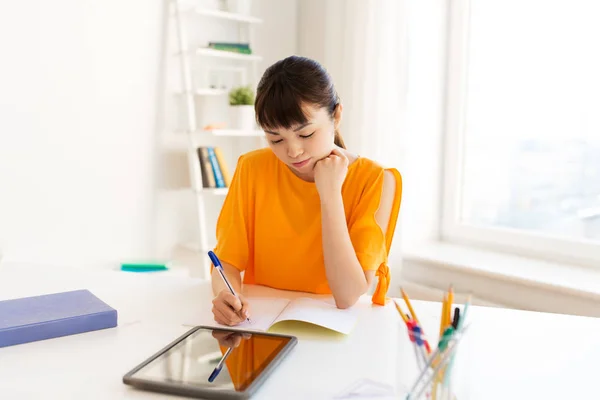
[(233, 276), (344, 273)]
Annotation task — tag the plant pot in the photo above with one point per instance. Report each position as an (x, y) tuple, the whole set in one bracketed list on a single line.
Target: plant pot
[(239, 6), (242, 117)]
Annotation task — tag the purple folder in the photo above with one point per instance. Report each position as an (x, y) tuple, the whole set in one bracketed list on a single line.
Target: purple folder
[(35, 318)]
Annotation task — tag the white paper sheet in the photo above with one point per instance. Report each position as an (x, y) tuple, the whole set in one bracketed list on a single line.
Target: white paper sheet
[(266, 311), (320, 313)]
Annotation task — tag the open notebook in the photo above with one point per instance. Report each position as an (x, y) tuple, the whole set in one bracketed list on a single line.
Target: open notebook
[(266, 312)]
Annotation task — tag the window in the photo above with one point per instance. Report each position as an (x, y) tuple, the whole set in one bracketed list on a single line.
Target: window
[(523, 127)]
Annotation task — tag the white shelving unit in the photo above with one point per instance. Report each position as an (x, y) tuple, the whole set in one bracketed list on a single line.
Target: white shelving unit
[(227, 54), (181, 140), (227, 15), (194, 136), (214, 191)]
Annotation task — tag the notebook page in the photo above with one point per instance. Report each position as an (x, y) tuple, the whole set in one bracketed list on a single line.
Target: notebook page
[(321, 313), (263, 312)]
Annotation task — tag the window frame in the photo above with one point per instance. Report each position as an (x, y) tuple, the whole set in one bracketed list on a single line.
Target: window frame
[(515, 241)]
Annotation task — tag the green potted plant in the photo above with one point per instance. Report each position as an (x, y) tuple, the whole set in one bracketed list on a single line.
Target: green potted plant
[(241, 107)]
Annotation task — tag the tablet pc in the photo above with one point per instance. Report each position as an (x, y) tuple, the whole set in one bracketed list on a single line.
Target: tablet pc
[(212, 363)]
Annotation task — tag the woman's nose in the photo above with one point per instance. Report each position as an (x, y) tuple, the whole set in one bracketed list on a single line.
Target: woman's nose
[(295, 151)]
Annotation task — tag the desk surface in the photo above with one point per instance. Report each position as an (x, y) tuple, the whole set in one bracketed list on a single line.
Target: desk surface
[(507, 354)]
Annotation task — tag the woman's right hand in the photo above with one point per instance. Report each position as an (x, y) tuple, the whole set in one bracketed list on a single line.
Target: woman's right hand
[(228, 309), (230, 339)]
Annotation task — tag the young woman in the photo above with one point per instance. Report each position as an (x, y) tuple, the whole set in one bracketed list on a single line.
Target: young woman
[(304, 214)]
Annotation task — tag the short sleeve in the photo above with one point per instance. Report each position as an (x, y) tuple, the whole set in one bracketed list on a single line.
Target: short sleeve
[(234, 220), (368, 239)]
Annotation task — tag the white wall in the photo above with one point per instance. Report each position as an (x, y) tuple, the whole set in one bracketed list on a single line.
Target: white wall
[(277, 36), (78, 127), (77, 109)]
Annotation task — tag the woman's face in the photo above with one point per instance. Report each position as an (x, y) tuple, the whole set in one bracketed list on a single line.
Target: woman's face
[(301, 146)]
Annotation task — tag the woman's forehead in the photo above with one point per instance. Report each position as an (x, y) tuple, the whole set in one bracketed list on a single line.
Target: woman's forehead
[(314, 112), (314, 116)]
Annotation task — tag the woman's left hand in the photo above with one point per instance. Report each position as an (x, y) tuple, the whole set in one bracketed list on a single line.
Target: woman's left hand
[(330, 173)]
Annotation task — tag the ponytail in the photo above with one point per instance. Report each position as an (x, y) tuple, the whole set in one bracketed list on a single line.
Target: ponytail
[(338, 140)]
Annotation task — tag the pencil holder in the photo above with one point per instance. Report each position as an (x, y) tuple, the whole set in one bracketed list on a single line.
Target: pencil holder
[(440, 376)]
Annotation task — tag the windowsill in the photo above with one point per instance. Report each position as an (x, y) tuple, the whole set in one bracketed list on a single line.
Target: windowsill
[(570, 280)]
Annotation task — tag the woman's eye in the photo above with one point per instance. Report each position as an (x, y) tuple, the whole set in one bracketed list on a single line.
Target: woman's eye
[(307, 136), (276, 141)]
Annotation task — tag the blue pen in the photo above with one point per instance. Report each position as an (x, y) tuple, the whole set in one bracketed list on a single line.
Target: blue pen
[(219, 267), (219, 365), (418, 335)]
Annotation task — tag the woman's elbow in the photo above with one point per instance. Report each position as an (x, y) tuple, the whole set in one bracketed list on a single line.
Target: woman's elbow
[(349, 296), (348, 301), (344, 304)]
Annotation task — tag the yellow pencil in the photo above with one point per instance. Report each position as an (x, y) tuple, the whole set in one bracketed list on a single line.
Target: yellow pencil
[(434, 389), (400, 312), (443, 317), (412, 312), (449, 306)]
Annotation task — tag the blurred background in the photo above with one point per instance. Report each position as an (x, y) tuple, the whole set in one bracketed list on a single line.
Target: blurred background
[(115, 115)]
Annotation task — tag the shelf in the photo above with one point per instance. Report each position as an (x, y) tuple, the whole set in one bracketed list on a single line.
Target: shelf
[(207, 52), (179, 140), (213, 191), (228, 15)]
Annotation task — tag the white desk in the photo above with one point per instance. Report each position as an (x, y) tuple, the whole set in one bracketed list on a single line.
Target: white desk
[(509, 354)]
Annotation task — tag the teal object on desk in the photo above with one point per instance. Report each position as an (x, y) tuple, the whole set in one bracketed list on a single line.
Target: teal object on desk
[(143, 267)]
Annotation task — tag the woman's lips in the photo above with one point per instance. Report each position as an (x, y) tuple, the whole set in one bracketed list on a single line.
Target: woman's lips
[(301, 163)]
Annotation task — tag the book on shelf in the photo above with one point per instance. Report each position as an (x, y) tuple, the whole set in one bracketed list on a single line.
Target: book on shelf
[(216, 168), (223, 166), (208, 177), (214, 171), (243, 48)]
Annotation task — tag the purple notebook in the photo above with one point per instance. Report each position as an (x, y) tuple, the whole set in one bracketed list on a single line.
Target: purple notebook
[(35, 318)]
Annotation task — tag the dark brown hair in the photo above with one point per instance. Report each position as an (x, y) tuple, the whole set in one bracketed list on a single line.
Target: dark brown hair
[(286, 86)]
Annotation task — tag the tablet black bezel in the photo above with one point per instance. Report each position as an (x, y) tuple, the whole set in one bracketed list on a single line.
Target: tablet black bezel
[(205, 392)]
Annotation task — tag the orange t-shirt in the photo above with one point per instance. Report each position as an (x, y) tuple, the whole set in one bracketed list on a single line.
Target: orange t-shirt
[(270, 223)]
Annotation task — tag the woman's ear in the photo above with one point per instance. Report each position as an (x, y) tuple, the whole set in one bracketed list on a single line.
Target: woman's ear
[(337, 115)]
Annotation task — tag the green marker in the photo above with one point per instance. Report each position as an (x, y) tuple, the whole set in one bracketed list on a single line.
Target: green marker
[(143, 267), (443, 344)]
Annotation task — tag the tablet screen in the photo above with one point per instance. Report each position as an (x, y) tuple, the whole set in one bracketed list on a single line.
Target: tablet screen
[(215, 358)]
